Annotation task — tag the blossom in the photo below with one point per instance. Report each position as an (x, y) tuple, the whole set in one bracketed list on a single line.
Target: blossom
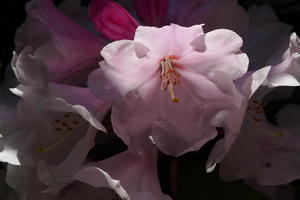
[(69, 50), (272, 150), (282, 59), (177, 78), (60, 129)]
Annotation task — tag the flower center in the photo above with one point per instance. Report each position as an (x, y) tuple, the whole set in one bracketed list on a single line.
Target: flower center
[(256, 114), (169, 78), (64, 126)]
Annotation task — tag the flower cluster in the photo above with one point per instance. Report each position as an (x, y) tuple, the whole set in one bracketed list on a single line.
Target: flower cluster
[(172, 77)]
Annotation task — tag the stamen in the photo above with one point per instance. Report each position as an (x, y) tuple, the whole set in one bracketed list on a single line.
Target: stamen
[(169, 78), (256, 114), (64, 126), (45, 149)]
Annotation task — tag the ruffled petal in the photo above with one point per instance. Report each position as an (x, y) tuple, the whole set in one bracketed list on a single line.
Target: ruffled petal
[(122, 70), (29, 70), (143, 183), (220, 51), (112, 20), (286, 67), (176, 38), (234, 120)]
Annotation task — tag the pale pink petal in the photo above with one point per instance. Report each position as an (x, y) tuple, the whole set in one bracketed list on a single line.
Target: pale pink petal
[(123, 65), (178, 39), (286, 67), (134, 128), (151, 12), (235, 119), (163, 118), (132, 176), (29, 70), (80, 191), (112, 20), (220, 52)]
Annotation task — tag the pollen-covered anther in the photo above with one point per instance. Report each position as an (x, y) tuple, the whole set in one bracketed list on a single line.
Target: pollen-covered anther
[(169, 78)]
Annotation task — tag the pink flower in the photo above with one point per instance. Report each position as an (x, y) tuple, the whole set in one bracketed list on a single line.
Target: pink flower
[(172, 82), (69, 50), (53, 127), (272, 150)]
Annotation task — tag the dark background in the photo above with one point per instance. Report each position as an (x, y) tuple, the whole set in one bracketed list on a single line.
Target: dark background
[(195, 183)]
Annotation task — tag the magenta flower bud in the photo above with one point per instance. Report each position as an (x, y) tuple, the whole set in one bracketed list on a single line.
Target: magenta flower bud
[(112, 20)]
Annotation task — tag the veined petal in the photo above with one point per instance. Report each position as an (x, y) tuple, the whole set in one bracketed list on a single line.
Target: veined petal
[(151, 12), (112, 20)]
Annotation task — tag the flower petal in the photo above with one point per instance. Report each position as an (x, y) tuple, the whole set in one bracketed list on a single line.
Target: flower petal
[(154, 38), (114, 173), (121, 72), (286, 67), (220, 51)]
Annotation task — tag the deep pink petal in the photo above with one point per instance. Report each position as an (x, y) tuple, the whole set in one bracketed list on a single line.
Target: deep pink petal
[(151, 12), (112, 20)]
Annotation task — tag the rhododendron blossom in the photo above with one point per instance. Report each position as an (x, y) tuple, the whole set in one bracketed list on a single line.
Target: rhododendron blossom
[(177, 79), (108, 95)]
